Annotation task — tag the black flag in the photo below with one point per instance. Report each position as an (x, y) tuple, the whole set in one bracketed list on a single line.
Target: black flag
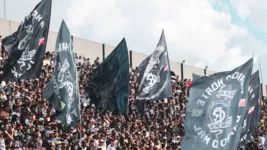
[(251, 117), (216, 110), (258, 108), (63, 90), (155, 74), (256, 102), (109, 84), (26, 47)]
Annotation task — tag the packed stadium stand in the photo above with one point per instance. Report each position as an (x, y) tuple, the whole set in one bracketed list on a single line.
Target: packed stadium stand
[(33, 124)]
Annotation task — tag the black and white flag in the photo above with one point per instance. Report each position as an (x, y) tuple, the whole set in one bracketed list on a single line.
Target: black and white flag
[(63, 90), (216, 110), (155, 74), (26, 47), (250, 122)]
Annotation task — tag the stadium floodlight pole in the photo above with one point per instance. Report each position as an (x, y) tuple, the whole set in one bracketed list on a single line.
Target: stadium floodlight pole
[(205, 70), (4, 9), (182, 69)]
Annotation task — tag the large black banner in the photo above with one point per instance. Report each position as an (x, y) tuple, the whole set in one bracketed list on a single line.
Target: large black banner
[(109, 84), (251, 116), (63, 90), (26, 47), (216, 110), (155, 74), (196, 76)]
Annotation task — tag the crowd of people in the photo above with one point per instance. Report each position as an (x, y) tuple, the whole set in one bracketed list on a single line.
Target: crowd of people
[(28, 121)]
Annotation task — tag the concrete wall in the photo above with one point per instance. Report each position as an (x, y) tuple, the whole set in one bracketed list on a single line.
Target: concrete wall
[(52, 38), (137, 58), (88, 49), (13, 26), (264, 90), (93, 49), (176, 67), (4, 27), (189, 70)]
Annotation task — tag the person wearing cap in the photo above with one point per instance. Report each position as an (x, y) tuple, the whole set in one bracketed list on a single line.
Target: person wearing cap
[(64, 145), (59, 145)]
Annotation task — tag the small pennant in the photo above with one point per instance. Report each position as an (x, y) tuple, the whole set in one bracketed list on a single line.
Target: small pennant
[(62, 105), (251, 110), (166, 68), (41, 41), (242, 103)]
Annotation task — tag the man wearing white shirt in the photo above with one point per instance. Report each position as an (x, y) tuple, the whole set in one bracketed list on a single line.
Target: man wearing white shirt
[(101, 144), (261, 141), (111, 146), (2, 141)]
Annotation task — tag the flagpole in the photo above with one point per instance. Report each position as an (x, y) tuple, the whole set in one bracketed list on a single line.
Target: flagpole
[(4, 9), (80, 128), (261, 72)]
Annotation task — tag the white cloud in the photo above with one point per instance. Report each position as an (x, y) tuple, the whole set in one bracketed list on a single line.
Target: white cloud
[(106, 20), (201, 33), (243, 7), (194, 30), (235, 57), (254, 10)]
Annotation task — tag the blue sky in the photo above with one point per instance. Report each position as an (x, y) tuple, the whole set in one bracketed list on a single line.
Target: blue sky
[(226, 6), (219, 34), (246, 22)]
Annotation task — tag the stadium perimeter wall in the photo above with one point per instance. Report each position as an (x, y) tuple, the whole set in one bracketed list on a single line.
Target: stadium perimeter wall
[(91, 49)]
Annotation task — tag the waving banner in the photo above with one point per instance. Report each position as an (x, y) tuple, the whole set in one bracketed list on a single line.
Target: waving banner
[(155, 74), (63, 90), (216, 110), (26, 47)]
